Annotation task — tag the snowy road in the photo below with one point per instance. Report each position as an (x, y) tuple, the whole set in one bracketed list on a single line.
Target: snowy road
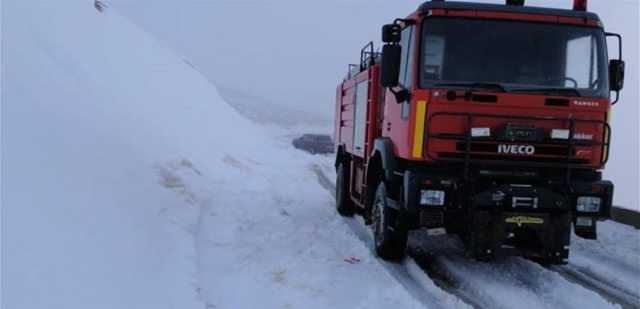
[(600, 285), (587, 282), (408, 274)]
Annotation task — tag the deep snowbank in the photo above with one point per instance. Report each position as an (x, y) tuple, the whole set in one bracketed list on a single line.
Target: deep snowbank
[(94, 114)]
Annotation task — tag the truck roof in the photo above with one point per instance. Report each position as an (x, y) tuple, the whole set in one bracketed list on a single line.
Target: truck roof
[(450, 5)]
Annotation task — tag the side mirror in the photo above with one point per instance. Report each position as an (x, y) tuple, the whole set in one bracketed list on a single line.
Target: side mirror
[(401, 95), (391, 33), (390, 65), (616, 74)]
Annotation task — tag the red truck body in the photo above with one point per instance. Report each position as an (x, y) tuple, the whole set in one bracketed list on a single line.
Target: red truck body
[(475, 141)]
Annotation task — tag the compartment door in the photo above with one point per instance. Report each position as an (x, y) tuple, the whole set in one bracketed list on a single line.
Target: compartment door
[(359, 128)]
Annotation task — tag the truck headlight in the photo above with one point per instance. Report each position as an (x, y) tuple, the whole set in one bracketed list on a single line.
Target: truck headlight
[(588, 204), (481, 132), (560, 134), (432, 197)]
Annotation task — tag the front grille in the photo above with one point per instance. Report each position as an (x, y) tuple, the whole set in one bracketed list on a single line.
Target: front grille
[(531, 139), (505, 158), (431, 219)]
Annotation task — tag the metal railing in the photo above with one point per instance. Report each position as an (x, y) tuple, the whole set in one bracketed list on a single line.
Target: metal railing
[(368, 56), (468, 156)]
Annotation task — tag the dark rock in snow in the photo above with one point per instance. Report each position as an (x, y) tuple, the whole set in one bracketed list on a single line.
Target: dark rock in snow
[(314, 143)]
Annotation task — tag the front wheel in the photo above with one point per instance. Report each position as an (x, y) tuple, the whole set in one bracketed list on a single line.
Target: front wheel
[(551, 261), (390, 241)]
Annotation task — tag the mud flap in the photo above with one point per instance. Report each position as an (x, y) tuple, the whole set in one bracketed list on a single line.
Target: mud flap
[(585, 227), (482, 242)]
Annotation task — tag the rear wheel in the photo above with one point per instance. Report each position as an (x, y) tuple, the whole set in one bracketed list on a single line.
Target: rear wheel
[(390, 242), (344, 204)]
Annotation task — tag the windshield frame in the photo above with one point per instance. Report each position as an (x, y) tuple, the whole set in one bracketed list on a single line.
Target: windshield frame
[(602, 60)]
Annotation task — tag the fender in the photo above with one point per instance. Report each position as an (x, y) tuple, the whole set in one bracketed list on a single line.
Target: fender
[(384, 147), (340, 155)]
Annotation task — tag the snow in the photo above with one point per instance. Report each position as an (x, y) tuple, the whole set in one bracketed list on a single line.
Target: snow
[(614, 256), (515, 281), (277, 236), (85, 220), (512, 282)]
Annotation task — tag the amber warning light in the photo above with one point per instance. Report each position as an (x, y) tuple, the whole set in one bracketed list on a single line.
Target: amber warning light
[(580, 5)]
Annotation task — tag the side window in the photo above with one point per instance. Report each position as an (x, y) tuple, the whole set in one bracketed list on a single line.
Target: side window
[(406, 63), (433, 57)]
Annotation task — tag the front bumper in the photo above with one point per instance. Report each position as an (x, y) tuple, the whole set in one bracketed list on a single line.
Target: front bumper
[(497, 208)]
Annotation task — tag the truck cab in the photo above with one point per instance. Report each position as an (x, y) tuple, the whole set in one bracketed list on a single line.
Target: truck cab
[(486, 121)]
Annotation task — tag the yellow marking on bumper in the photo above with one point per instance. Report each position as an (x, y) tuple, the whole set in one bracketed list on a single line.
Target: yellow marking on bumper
[(521, 220), (418, 133)]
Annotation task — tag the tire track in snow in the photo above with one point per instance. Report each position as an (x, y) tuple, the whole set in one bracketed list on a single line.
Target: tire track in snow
[(444, 280), (612, 260), (514, 282), (440, 270), (600, 285), (173, 175), (531, 283), (409, 274)]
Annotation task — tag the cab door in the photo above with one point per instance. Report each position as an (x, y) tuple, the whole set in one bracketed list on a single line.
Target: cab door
[(395, 123)]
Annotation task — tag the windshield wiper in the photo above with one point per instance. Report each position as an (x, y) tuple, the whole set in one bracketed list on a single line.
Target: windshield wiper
[(475, 86), (549, 91)]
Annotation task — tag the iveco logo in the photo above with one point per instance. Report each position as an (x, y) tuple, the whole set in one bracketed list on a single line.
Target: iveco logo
[(517, 149)]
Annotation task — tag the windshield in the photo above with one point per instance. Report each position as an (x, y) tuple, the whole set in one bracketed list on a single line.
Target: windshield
[(516, 56)]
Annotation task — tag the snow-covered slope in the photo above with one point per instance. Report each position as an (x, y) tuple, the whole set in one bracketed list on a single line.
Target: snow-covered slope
[(127, 182), (93, 110)]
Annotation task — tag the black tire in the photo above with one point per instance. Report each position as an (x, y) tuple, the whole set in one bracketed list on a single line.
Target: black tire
[(390, 243), (551, 261), (344, 204)]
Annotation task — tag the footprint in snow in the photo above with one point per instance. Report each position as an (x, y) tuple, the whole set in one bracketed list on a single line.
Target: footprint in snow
[(235, 163), (169, 174), (279, 276)]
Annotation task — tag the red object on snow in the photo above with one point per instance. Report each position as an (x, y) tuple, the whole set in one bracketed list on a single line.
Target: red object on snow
[(352, 260)]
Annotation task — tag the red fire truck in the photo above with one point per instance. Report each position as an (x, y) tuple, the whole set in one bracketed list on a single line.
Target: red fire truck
[(487, 121)]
